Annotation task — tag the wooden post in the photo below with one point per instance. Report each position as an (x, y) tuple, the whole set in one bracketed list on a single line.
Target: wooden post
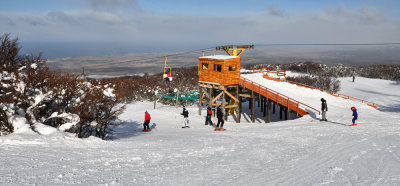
[(155, 101), (258, 100), (249, 103), (223, 106), (289, 114), (232, 110), (280, 112), (273, 107), (269, 111), (240, 104), (286, 113), (262, 104), (212, 97), (253, 113), (177, 99), (265, 106)]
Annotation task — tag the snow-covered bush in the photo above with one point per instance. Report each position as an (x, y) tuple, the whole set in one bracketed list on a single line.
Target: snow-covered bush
[(31, 96), (98, 110), (322, 82)]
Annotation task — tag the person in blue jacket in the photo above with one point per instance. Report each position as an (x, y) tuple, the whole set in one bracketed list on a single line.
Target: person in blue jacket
[(355, 116)]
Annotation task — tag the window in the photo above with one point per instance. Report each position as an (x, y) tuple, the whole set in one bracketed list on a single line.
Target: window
[(232, 68), (217, 68), (205, 66)]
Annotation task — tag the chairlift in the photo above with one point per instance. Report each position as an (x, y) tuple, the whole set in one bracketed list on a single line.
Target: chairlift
[(167, 71)]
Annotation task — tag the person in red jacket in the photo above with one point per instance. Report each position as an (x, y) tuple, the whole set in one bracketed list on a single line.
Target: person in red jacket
[(208, 117), (146, 121)]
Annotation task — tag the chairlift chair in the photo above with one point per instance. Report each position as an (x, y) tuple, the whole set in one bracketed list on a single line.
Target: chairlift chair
[(167, 70)]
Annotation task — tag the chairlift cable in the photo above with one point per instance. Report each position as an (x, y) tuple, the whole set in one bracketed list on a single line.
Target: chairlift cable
[(150, 58)]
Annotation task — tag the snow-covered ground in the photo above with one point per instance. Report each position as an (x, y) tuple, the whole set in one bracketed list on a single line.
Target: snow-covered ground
[(303, 151)]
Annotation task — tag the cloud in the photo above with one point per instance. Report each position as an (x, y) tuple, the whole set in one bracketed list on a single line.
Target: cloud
[(328, 26), (365, 15), (275, 12), (5, 20), (107, 5)]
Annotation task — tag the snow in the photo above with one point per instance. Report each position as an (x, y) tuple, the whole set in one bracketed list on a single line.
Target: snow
[(34, 65), (109, 92), (303, 151), (223, 57), (71, 120)]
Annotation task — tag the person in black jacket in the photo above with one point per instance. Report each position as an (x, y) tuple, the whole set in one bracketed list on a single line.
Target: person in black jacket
[(324, 109), (185, 121), (220, 116), (208, 117)]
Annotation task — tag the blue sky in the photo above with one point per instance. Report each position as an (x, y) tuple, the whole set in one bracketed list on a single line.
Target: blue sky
[(208, 7), (202, 22)]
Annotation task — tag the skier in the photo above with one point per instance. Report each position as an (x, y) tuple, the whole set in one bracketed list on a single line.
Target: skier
[(185, 121), (324, 109), (208, 117), (355, 116), (220, 115), (169, 76), (146, 122)]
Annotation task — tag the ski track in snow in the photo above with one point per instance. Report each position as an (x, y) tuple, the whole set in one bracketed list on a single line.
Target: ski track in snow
[(303, 151)]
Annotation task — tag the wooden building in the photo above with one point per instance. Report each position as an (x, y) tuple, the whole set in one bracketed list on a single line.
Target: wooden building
[(219, 73), (220, 69), (220, 84)]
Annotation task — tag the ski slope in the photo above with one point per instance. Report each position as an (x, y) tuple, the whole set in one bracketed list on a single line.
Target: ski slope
[(338, 108), (303, 151)]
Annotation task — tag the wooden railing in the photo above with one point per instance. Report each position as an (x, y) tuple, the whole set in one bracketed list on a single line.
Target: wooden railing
[(279, 73), (277, 97)]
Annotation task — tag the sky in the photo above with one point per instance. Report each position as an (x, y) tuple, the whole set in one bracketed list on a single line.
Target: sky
[(201, 22)]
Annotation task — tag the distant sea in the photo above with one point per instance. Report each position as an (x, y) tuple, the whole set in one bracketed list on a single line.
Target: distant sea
[(54, 50), (347, 55)]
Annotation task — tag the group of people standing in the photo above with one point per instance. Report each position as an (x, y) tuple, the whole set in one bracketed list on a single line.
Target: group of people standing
[(220, 117), (185, 121)]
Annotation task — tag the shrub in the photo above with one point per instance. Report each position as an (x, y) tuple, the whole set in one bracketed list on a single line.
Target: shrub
[(33, 96)]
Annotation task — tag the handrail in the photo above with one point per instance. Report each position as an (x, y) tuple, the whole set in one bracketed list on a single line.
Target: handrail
[(270, 70), (279, 98)]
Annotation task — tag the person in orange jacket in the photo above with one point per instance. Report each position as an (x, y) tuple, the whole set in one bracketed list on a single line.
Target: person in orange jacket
[(146, 122)]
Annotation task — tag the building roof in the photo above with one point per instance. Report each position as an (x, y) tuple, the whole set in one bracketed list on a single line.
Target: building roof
[(223, 57)]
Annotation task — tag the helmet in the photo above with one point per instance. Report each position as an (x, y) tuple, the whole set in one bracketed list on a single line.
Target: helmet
[(353, 108)]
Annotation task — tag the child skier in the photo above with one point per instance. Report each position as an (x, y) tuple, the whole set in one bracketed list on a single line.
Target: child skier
[(355, 116), (146, 122), (185, 121), (208, 117)]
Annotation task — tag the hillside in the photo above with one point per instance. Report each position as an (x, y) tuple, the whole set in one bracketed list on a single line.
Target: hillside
[(303, 151)]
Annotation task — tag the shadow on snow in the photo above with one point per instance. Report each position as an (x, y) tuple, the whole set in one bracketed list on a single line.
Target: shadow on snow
[(129, 129)]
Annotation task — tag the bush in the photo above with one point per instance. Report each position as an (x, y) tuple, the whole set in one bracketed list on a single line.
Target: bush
[(322, 82), (34, 96)]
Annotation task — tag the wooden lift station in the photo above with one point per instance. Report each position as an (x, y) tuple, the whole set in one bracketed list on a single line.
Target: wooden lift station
[(219, 77), (220, 83)]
